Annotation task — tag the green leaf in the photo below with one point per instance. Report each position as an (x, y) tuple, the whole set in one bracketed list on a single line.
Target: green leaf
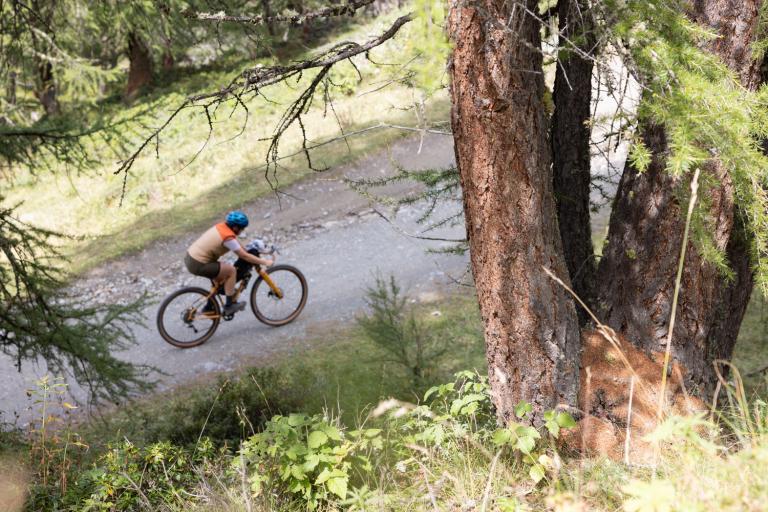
[(537, 473), (553, 427), (525, 444), (456, 406), (311, 461), (565, 420), (338, 486), (332, 432), (531, 432), (297, 472), (295, 420), (323, 477), (522, 409), (431, 391), (501, 436), (316, 439)]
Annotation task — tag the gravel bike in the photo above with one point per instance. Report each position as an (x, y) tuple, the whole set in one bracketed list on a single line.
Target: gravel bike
[(190, 316)]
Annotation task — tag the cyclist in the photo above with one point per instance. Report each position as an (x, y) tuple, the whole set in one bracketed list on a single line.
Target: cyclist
[(203, 255)]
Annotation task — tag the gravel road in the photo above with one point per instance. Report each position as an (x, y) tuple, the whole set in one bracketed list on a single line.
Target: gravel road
[(328, 231)]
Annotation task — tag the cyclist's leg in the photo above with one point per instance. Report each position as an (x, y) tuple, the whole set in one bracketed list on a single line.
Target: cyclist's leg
[(226, 277), (207, 270)]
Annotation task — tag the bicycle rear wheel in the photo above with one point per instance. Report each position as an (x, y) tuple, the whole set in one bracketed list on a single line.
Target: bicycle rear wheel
[(275, 310), (181, 320)]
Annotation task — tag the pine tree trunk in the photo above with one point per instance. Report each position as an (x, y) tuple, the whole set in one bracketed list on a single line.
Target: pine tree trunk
[(570, 147), (46, 88), (140, 67), (42, 35), (637, 272), (10, 91), (500, 132), (266, 10), (168, 61)]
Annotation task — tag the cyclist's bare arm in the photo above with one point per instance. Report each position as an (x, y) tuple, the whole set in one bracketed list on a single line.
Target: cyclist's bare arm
[(255, 260)]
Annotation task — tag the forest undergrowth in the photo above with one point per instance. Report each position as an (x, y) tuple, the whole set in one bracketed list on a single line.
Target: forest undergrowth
[(348, 427)]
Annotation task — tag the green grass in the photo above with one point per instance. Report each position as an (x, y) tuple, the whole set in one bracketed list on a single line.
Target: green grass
[(167, 195), (751, 352), (350, 375)]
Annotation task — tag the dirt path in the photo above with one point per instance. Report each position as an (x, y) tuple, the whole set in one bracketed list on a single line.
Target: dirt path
[(325, 229)]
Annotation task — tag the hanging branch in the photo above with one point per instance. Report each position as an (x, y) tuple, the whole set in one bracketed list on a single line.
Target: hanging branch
[(251, 81), (50, 143), (295, 19)]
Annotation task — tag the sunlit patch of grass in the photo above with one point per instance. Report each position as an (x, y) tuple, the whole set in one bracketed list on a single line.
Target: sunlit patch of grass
[(351, 374), (751, 352)]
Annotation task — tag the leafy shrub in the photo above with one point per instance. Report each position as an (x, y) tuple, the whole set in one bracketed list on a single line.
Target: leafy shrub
[(127, 478), (536, 453), (451, 410), (463, 409), (307, 457), (226, 411)]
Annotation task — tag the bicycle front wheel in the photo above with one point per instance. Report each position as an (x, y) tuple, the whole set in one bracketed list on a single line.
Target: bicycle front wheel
[(183, 319), (282, 305)]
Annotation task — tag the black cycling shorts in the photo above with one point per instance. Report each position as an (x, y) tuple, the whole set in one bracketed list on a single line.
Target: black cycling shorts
[(209, 270)]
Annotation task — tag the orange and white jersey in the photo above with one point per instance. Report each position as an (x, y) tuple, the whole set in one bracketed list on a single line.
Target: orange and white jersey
[(214, 243)]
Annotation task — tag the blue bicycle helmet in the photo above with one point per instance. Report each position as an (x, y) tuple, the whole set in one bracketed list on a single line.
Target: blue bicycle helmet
[(237, 219)]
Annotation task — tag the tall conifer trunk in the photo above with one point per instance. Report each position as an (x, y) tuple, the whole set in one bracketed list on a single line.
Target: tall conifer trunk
[(500, 131), (46, 88), (140, 66), (571, 145), (637, 272)]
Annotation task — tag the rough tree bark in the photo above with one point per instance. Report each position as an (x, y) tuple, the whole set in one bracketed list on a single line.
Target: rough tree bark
[(500, 133), (570, 146), (637, 272), (45, 85), (266, 9), (10, 90), (46, 88), (140, 67)]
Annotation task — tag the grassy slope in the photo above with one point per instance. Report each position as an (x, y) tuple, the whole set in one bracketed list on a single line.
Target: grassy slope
[(751, 353), (167, 194), (348, 375)]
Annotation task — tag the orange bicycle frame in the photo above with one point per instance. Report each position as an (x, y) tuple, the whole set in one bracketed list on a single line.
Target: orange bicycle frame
[(240, 289), (270, 283)]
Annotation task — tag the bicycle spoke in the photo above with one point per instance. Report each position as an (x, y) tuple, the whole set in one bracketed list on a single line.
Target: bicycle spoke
[(184, 321)]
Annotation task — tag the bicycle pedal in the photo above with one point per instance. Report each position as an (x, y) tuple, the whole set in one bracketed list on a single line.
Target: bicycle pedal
[(228, 317)]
